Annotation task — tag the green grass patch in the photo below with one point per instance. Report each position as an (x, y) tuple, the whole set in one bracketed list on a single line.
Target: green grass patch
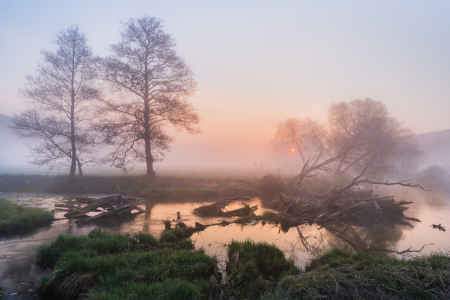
[(172, 235), (339, 274), (166, 290), (255, 268), (99, 242), (14, 216), (104, 265), (269, 214), (245, 219)]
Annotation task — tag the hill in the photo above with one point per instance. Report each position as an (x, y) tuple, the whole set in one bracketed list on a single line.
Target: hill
[(435, 148)]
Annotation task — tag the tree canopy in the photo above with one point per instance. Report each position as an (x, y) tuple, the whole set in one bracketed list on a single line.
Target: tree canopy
[(361, 141), (151, 85), (60, 95)]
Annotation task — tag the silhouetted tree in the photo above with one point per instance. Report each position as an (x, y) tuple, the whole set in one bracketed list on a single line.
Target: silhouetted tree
[(361, 143), (151, 85), (61, 93)]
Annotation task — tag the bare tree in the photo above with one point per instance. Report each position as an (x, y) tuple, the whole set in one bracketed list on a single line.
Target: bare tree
[(151, 85), (60, 93), (360, 144)]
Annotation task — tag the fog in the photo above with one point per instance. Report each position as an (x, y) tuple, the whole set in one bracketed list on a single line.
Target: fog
[(247, 158), (253, 74)]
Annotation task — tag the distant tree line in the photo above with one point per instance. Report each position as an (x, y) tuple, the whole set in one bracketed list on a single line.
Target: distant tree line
[(79, 102)]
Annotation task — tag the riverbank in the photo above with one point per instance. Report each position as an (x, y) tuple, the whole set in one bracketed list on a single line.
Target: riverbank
[(161, 187), (342, 275), (15, 217), (114, 266)]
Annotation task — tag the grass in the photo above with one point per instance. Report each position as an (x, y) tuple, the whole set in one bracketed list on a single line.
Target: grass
[(172, 235), (166, 290), (99, 242), (342, 275), (255, 268), (269, 214), (245, 219), (104, 265), (14, 216), (162, 187), (2, 290)]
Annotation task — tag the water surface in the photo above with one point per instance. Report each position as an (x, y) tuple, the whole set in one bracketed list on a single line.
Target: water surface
[(20, 276)]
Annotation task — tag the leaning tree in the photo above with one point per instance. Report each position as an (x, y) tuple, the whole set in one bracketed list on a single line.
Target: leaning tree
[(341, 161), (60, 95), (360, 144), (150, 85)]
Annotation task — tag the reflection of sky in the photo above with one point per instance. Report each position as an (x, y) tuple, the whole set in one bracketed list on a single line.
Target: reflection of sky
[(260, 62), (313, 240)]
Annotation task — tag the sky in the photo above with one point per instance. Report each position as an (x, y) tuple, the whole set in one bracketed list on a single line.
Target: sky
[(258, 63)]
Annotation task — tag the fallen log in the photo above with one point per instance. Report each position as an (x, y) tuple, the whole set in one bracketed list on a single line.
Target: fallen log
[(218, 208)]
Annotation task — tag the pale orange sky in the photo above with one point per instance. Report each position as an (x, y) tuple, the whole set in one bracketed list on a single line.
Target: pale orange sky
[(258, 63)]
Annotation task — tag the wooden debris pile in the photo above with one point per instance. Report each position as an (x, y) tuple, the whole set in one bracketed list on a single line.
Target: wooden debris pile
[(111, 205), (218, 209), (330, 206)]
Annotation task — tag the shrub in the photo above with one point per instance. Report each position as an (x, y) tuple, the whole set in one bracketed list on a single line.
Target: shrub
[(270, 185)]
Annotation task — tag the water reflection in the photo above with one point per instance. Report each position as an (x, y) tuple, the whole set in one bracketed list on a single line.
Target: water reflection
[(17, 252), (367, 238)]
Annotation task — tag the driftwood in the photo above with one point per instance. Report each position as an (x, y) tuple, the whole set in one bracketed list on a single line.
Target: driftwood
[(313, 208), (114, 204), (218, 208)]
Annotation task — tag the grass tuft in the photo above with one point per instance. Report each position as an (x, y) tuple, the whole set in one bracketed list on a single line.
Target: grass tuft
[(255, 268), (172, 235), (14, 216), (245, 219)]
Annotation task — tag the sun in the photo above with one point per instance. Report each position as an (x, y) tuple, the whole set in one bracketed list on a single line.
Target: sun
[(293, 149)]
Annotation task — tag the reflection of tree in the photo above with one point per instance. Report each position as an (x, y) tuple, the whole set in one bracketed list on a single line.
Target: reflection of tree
[(376, 238), (147, 216), (311, 243), (366, 238)]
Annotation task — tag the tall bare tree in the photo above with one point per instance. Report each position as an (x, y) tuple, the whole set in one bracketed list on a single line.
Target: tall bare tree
[(60, 94), (151, 85)]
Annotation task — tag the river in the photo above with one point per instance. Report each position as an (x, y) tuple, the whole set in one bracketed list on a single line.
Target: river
[(20, 276)]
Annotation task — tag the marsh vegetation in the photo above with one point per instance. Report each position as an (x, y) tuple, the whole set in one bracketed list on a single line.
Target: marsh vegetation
[(102, 265), (14, 217)]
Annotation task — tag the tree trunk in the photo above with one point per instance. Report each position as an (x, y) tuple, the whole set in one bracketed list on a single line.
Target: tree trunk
[(72, 119), (149, 160), (73, 166), (148, 151), (80, 171)]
